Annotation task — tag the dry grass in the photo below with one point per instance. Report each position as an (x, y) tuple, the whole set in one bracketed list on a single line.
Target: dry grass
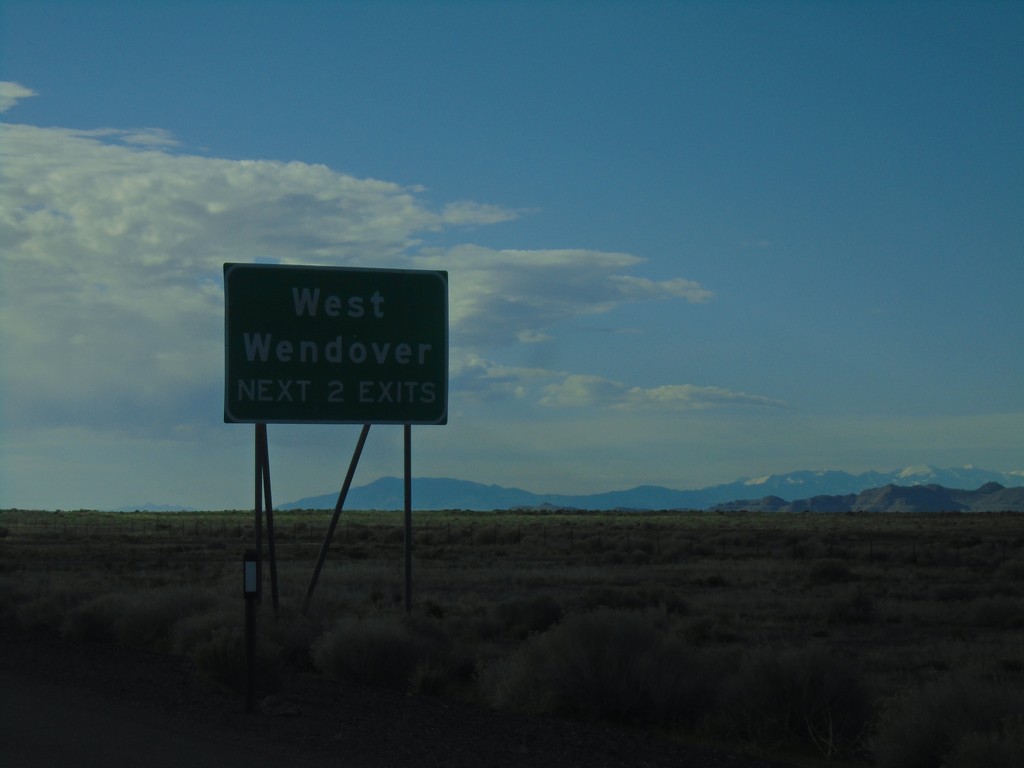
[(830, 636)]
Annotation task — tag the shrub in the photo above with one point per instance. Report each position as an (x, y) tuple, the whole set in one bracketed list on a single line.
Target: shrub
[(611, 598), (194, 629), (829, 572), (610, 664), (474, 629), (144, 619), (1011, 571), (997, 612), (707, 630), (521, 618), (150, 616), (796, 698), (96, 619), (946, 592), (714, 581), (11, 594), (954, 721), (221, 658), (294, 634), (856, 607), (989, 750), (48, 609), (639, 557), (378, 650), (441, 673), (633, 598)]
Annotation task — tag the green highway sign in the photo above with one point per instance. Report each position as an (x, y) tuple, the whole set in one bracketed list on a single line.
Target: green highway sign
[(329, 345)]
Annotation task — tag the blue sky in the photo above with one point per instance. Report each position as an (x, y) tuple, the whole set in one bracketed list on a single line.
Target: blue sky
[(687, 242)]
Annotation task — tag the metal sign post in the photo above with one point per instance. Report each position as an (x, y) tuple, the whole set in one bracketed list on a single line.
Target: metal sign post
[(263, 493), (408, 516), (250, 591), (328, 345)]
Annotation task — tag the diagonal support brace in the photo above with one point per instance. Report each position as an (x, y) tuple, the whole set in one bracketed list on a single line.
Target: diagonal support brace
[(334, 518)]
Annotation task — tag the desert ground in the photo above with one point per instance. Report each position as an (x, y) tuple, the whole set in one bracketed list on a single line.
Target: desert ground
[(535, 638)]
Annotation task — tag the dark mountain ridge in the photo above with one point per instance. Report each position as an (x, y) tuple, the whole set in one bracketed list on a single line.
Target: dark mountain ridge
[(929, 489), (990, 497)]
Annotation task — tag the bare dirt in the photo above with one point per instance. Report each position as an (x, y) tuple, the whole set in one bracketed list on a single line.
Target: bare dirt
[(87, 704)]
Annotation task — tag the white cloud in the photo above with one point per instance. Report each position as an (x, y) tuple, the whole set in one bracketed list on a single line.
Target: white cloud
[(486, 380), (641, 288), (691, 397), (467, 212), (111, 246), (576, 390), (12, 93), (142, 137), (477, 378), (111, 259), (500, 297), (530, 336)]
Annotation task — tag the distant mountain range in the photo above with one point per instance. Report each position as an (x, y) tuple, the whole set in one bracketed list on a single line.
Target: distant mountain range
[(991, 497), (917, 488)]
